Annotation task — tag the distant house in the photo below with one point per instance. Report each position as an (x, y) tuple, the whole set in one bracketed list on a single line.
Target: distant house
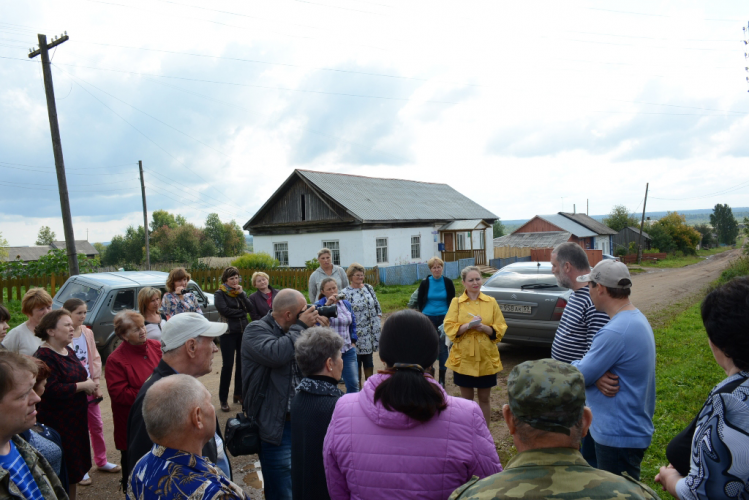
[(34, 253), (547, 231), (631, 234), (372, 221)]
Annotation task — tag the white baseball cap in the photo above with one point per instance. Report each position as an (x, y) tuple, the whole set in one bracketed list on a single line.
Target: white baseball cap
[(185, 326), (610, 273)]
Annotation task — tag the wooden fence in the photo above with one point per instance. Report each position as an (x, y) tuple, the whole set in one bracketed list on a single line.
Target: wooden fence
[(505, 252), (544, 255), (14, 288), (631, 259)]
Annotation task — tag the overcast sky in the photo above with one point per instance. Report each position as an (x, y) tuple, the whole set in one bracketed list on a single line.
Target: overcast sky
[(525, 107)]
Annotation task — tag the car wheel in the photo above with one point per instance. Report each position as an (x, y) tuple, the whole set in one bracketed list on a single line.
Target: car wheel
[(113, 344)]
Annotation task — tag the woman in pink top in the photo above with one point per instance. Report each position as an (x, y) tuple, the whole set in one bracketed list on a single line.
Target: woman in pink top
[(84, 347), (402, 436)]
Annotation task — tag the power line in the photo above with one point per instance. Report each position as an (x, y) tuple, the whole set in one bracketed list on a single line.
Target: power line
[(661, 15), (717, 193)]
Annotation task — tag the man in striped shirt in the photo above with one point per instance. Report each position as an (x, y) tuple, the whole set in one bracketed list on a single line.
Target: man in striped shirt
[(580, 321)]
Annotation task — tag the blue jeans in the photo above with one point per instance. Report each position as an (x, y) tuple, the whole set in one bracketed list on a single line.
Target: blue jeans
[(350, 373), (611, 459), (275, 462), (437, 321)]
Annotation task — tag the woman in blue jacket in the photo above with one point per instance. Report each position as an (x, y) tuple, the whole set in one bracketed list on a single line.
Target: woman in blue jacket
[(435, 294), (345, 326)]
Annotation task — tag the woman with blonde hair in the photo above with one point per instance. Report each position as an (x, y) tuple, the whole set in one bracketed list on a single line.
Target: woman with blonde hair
[(475, 325), (367, 312), (262, 300), (326, 270), (21, 339), (178, 299), (149, 306)]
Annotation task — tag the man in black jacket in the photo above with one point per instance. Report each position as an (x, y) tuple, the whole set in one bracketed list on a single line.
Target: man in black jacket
[(187, 343), (268, 360)]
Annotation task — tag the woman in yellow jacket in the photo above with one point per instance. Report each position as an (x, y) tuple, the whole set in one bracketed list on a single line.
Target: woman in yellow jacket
[(475, 325)]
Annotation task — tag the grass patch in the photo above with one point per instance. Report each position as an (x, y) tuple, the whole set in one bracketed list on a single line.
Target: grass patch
[(685, 374), (395, 297), (674, 261), (637, 270)]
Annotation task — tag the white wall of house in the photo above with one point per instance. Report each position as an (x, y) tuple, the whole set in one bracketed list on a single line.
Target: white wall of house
[(354, 246)]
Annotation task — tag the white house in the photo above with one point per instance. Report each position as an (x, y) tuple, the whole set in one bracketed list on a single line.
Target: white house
[(372, 221)]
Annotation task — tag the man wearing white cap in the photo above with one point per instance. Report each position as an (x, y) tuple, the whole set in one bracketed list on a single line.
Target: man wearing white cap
[(623, 427), (188, 347)]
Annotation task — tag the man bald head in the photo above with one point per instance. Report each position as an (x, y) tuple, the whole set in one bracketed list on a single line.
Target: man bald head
[(290, 306), (178, 413)]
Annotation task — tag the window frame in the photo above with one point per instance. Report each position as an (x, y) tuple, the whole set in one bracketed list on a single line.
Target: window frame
[(277, 252), (381, 251), (416, 245)]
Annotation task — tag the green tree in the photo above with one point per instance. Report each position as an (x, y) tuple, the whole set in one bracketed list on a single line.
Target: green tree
[(660, 239), (234, 242), (619, 218), (161, 218), (725, 224), (4, 245), (214, 231), (707, 235), (746, 226), (46, 236), (181, 221), (101, 249), (685, 238), (115, 254), (498, 229)]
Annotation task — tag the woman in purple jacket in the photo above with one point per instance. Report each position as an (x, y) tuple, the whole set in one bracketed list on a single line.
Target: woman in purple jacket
[(262, 299), (404, 427)]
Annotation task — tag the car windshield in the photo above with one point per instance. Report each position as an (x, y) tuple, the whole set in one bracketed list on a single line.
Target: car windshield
[(522, 280), (81, 291)]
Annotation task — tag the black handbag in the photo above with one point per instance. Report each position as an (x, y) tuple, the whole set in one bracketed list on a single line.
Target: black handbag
[(242, 433)]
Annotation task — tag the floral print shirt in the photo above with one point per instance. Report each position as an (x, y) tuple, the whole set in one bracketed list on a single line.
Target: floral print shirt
[(166, 473), (367, 312), (171, 304)]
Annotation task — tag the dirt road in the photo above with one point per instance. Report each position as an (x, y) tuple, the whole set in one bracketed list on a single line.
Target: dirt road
[(651, 291)]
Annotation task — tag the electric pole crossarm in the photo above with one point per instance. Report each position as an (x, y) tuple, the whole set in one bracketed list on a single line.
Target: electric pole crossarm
[(54, 43)]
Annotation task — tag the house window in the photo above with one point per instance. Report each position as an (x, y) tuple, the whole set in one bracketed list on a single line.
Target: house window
[(415, 247), (382, 249), (281, 253), (482, 240), (461, 241), (334, 249), (304, 209)]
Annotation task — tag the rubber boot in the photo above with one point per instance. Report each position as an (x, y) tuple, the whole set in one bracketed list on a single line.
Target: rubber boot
[(443, 373)]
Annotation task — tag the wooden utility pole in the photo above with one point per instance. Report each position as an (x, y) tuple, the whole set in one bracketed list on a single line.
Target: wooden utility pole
[(642, 226), (62, 183), (145, 214)]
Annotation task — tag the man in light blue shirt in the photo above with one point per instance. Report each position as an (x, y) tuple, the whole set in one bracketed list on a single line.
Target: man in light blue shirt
[(623, 427)]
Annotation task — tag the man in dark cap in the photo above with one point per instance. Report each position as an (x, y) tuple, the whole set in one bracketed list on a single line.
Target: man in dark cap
[(547, 418)]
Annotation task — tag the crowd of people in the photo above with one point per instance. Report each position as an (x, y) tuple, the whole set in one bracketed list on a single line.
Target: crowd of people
[(581, 421)]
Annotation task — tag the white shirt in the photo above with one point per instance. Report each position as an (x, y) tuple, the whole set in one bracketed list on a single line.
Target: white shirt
[(22, 340), (80, 348)]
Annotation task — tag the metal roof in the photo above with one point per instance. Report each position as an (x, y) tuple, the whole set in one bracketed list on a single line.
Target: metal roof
[(464, 225), (26, 254), (128, 278), (548, 239), (377, 199), (81, 246), (568, 225), (590, 223)]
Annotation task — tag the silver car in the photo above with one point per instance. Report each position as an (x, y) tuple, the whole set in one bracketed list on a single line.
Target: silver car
[(530, 299), (106, 294)]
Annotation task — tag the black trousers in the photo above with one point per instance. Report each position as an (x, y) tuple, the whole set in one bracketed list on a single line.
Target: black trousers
[(231, 349)]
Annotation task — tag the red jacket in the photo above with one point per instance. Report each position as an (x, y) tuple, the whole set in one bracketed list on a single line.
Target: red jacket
[(127, 369)]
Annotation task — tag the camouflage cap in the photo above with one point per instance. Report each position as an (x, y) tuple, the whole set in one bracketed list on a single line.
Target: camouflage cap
[(547, 394)]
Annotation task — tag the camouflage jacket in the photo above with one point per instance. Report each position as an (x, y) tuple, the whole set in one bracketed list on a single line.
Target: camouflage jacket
[(553, 473), (45, 478)]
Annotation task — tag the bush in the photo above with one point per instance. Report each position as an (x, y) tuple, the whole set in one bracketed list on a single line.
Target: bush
[(620, 252), (311, 264), (739, 267), (260, 260)]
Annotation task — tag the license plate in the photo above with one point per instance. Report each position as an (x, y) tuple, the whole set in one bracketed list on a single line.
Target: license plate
[(512, 308)]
